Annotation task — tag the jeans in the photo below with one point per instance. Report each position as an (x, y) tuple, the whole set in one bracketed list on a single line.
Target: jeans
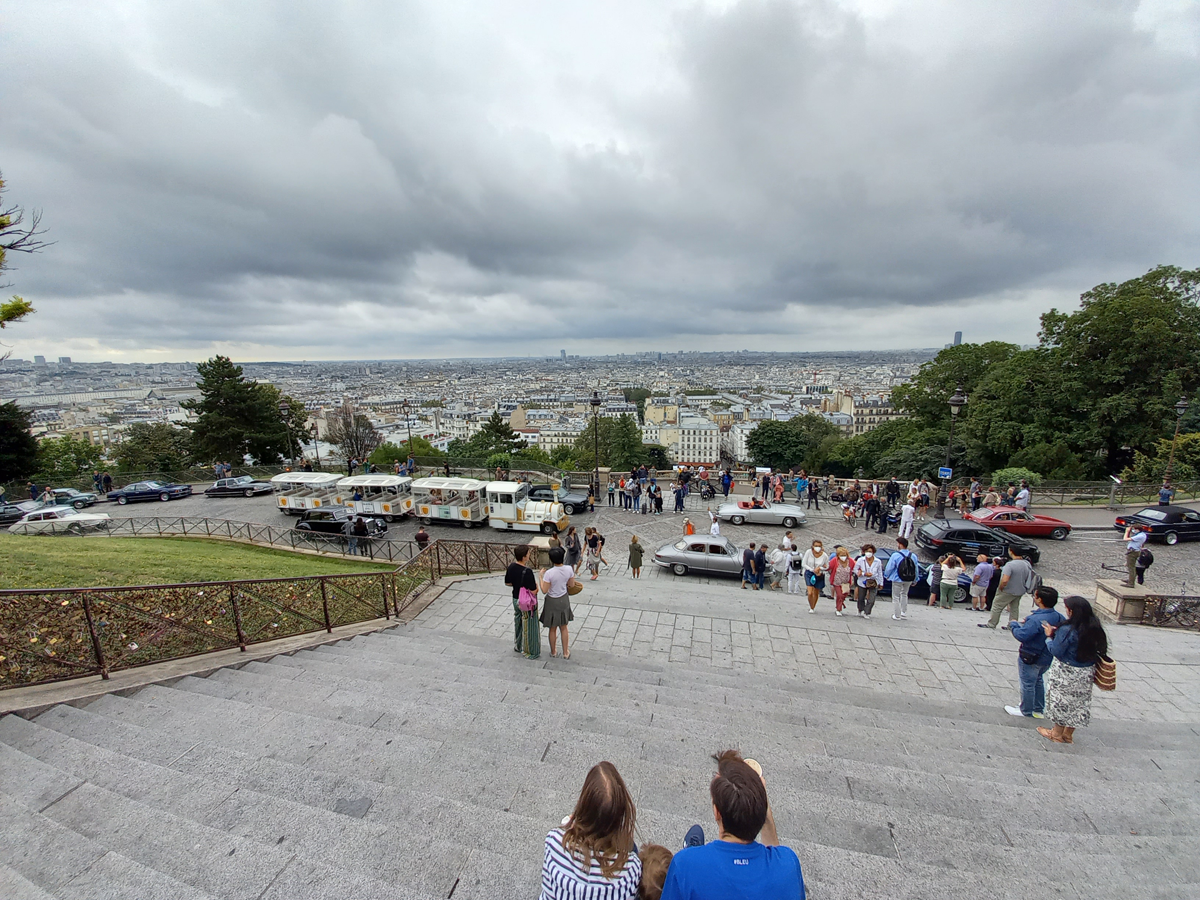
[(1012, 601), (900, 597), (637, 503), (1033, 689), (353, 545)]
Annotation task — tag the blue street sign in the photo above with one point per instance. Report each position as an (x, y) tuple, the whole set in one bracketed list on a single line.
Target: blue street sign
[(945, 472)]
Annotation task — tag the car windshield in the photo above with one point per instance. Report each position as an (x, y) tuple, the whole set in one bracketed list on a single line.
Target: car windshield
[(681, 545), (1151, 513), (150, 485), (243, 479)]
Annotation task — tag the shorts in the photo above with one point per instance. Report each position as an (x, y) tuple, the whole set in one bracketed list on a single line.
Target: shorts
[(978, 590)]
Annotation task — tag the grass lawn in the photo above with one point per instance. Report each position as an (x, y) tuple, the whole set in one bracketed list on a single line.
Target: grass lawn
[(33, 561)]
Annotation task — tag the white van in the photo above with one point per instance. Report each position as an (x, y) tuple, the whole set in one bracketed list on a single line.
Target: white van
[(299, 491), (510, 509)]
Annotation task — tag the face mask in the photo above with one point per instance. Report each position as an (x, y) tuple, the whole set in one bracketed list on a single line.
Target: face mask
[(843, 557), (817, 548), (869, 554)]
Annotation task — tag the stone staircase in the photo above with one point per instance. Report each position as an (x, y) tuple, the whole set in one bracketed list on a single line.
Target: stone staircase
[(417, 764)]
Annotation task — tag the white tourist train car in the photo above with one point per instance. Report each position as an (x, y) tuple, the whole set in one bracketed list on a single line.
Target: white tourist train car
[(510, 509), (387, 496), (299, 491), (459, 500)]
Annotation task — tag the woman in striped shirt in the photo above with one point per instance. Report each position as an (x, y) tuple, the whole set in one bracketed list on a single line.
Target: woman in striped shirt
[(593, 856)]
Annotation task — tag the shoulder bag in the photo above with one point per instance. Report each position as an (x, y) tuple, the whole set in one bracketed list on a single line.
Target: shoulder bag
[(526, 600), (1105, 675)]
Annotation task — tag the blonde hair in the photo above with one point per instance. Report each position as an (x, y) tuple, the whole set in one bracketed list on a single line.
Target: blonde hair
[(633, 539), (656, 859)]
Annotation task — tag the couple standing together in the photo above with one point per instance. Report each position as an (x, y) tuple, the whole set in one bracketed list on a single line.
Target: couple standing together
[(558, 583)]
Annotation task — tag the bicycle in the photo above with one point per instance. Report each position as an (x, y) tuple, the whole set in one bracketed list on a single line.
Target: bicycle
[(850, 515)]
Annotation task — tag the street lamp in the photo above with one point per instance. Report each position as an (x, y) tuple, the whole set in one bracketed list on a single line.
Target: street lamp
[(408, 422), (285, 410), (314, 431), (1180, 408), (596, 443), (957, 401)]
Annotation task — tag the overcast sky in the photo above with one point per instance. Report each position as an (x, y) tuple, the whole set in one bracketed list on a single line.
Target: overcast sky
[(285, 179)]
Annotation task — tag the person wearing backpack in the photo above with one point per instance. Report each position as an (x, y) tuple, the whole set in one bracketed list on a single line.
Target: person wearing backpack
[(1017, 578), (901, 571), (794, 565), (1144, 561)]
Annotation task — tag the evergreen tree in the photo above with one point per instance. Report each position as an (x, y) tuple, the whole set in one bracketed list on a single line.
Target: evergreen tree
[(238, 417), (18, 448), (160, 447)]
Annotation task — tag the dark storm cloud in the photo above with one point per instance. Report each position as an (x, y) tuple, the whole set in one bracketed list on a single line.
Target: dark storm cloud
[(376, 179)]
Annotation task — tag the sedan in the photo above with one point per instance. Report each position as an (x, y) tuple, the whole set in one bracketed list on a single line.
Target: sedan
[(150, 490), (242, 486), (707, 554), (60, 520), (573, 501), (967, 540), (333, 521), (73, 498), (13, 512), (1018, 521), (1170, 524), (789, 515)]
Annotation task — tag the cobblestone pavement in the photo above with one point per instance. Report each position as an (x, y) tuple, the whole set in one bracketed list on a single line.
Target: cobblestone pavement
[(932, 653)]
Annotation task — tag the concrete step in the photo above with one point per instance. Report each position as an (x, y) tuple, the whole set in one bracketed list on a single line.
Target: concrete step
[(14, 886)]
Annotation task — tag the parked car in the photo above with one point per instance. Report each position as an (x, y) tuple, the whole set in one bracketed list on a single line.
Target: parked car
[(150, 490), (332, 520), (1169, 524), (60, 520), (707, 554), (789, 515), (242, 486), (1018, 521), (73, 498), (968, 539), (573, 501), (14, 512)]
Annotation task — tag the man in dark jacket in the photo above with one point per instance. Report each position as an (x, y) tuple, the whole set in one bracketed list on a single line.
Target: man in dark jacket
[(1033, 656), (760, 566)]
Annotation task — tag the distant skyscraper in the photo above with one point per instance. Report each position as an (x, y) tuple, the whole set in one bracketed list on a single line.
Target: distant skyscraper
[(957, 338), (64, 360), (39, 360), (563, 354)]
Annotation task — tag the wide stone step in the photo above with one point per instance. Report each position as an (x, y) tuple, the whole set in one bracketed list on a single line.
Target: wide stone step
[(14, 886)]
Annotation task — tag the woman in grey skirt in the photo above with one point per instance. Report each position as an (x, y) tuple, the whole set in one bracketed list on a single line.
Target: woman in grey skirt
[(556, 611), (1076, 647), (573, 548)]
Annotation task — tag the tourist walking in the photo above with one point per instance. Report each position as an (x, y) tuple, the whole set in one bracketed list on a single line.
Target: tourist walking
[(893, 493), (793, 561), (1135, 540), (952, 567), (635, 557), (901, 570), (518, 576), (872, 508), (935, 581), (591, 550), (556, 583), (869, 572), (816, 564), (677, 490), (814, 495), (573, 549), (907, 517), (1077, 647), (1033, 656), (1014, 579), (592, 856), (981, 577), (778, 561), (841, 578), (748, 567), (612, 494), (760, 566)]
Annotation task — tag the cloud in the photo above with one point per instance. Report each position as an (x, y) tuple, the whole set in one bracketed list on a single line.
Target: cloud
[(301, 180)]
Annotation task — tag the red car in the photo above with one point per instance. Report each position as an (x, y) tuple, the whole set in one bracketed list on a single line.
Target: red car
[(1017, 521)]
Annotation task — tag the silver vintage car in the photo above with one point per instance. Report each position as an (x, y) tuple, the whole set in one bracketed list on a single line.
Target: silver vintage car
[(789, 515), (708, 554)]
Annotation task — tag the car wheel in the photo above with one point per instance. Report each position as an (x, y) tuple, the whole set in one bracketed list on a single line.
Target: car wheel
[(75, 528), (468, 524), (961, 595), (389, 518), (789, 522), (249, 493), (1059, 534), (79, 504), (1171, 538), (738, 520), (122, 499), (679, 569), (549, 528), (164, 496), (425, 520)]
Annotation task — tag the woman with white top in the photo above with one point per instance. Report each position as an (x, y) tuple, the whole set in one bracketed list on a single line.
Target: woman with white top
[(952, 567), (815, 564), (556, 611), (869, 570)]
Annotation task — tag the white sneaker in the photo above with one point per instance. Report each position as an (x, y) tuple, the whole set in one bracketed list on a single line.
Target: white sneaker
[(896, 618), (904, 615), (811, 610), (839, 612), (866, 615), (1014, 711)]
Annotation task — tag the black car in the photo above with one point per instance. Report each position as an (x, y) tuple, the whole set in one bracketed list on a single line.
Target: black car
[(150, 490), (573, 501), (1170, 524), (968, 539), (333, 521), (242, 486), (11, 513)]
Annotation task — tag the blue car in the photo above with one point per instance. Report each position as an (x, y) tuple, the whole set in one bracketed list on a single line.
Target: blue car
[(150, 490), (920, 588)]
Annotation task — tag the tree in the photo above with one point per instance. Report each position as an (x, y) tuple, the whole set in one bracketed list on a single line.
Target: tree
[(1152, 467), (353, 433), (388, 453), (924, 398), (18, 448), (638, 396), (620, 441), (66, 457), (496, 436), (160, 447), (16, 236), (531, 454), (237, 417), (803, 441)]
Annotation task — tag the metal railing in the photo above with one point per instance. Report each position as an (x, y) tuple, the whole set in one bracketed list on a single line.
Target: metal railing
[(61, 633)]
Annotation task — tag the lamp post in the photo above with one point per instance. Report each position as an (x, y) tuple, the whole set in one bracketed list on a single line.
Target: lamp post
[(285, 410), (596, 443), (1180, 408), (314, 431), (408, 422), (957, 401)]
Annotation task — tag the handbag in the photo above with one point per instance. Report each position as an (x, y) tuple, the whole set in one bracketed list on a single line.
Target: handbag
[(1105, 674), (526, 600), (573, 589)]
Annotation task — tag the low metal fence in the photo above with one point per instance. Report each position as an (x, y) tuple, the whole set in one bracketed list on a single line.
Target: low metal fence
[(61, 633)]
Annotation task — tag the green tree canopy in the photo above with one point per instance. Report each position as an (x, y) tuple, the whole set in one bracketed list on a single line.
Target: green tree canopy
[(387, 453), (160, 447), (1152, 467), (67, 457), (804, 441), (237, 417), (620, 441), (18, 448)]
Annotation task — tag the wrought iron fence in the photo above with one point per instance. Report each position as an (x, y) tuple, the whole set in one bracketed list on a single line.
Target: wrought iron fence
[(55, 634), (1172, 612)]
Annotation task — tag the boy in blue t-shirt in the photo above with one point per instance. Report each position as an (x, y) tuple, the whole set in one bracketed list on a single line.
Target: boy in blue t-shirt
[(736, 865)]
